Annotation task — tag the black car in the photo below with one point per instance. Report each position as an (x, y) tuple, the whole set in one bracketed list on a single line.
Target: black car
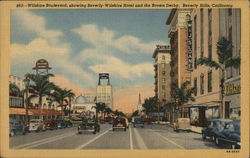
[(61, 124), (215, 125), (138, 121), (17, 126), (88, 125), (230, 135)]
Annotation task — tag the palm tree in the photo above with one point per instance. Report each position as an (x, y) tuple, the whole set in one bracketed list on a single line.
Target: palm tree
[(107, 111), (135, 113), (225, 60), (40, 86), (149, 105), (183, 95), (14, 90), (99, 108)]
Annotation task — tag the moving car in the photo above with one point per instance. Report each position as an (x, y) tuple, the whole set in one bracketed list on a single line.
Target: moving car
[(17, 126), (230, 135), (138, 122), (36, 125), (60, 123), (50, 124), (182, 124), (88, 125), (215, 125), (119, 123), (68, 122)]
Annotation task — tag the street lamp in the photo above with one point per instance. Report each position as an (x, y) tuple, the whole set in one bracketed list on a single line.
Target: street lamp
[(26, 83)]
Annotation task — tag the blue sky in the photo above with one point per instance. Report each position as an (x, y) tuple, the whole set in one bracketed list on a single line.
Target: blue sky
[(80, 43)]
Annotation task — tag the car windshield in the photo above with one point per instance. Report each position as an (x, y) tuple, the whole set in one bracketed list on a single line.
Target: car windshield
[(233, 127)]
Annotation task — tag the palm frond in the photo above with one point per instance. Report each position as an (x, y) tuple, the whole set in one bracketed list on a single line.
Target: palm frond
[(208, 62), (233, 62)]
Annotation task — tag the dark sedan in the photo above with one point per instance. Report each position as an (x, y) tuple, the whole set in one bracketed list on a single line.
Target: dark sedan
[(17, 126), (230, 135), (50, 124), (215, 125)]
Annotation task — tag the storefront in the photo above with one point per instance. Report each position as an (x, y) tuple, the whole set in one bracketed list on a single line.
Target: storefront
[(232, 97)]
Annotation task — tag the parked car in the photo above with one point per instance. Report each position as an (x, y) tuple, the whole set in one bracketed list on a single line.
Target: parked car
[(138, 122), (215, 125), (88, 125), (50, 124), (36, 125), (230, 135), (182, 124), (60, 123), (119, 123), (17, 127), (126, 121), (68, 122)]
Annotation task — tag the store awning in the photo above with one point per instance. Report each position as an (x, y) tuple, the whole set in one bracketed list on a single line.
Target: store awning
[(195, 106), (35, 112)]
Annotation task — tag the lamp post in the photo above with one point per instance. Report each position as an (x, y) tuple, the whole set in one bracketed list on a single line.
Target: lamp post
[(26, 83)]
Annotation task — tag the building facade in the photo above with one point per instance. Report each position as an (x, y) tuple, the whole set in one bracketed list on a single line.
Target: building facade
[(104, 93), (162, 76), (208, 25)]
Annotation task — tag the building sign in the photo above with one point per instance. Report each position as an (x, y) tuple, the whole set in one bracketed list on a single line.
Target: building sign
[(103, 76), (232, 89), (79, 108), (189, 46)]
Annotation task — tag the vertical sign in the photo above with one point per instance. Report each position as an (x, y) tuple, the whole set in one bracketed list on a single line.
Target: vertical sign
[(189, 46)]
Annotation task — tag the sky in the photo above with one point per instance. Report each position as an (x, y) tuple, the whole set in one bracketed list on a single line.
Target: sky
[(79, 44)]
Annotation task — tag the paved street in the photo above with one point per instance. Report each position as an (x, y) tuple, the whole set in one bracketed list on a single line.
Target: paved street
[(149, 137)]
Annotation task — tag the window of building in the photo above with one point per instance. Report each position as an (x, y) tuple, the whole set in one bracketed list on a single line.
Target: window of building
[(230, 12), (164, 80), (163, 72), (202, 33), (210, 51), (195, 41), (209, 22), (163, 87), (202, 84), (195, 86), (163, 65), (209, 81)]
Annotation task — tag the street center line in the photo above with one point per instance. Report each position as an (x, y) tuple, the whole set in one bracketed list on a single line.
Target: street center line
[(92, 140), (131, 140), (139, 139), (167, 139)]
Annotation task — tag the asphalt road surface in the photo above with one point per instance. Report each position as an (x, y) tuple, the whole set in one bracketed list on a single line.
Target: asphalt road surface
[(149, 137)]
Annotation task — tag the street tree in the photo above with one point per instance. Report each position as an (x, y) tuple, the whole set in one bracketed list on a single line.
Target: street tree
[(14, 90), (225, 60), (39, 86)]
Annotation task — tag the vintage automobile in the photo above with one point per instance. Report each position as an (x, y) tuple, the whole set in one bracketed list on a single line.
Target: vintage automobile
[(68, 122), (50, 124), (119, 123), (138, 122), (17, 126), (60, 123), (37, 125), (126, 121), (182, 124), (230, 135), (88, 125), (214, 125)]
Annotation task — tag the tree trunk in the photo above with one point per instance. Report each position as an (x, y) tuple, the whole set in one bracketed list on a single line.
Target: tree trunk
[(40, 101)]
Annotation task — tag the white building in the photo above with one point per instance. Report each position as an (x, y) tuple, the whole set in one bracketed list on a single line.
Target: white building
[(17, 81), (82, 107)]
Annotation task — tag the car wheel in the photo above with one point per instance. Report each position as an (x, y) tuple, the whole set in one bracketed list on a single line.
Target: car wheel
[(37, 130), (94, 132), (217, 142), (12, 133), (203, 136), (79, 132)]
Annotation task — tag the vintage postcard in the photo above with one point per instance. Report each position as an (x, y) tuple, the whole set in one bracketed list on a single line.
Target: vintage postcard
[(124, 79)]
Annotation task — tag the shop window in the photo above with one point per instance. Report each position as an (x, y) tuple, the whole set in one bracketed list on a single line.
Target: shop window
[(202, 84), (209, 76)]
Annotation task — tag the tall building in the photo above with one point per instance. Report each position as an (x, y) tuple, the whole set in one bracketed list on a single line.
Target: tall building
[(104, 91), (17, 81), (179, 33), (162, 73), (208, 25)]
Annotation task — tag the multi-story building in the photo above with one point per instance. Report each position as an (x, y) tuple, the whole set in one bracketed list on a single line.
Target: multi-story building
[(208, 25), (181, 67), (104, 91), (91, 98), (17, 81), (162, 74)]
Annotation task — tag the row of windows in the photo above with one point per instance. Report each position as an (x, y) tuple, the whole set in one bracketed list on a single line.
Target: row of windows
[(16, 102), (209, 83)]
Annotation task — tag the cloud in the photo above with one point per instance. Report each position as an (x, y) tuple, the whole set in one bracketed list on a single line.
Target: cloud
[(104, 38), (58, 58), (117, 67), (37, 24)]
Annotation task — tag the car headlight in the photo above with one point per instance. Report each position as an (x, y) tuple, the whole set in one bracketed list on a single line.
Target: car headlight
[(238, 143)]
